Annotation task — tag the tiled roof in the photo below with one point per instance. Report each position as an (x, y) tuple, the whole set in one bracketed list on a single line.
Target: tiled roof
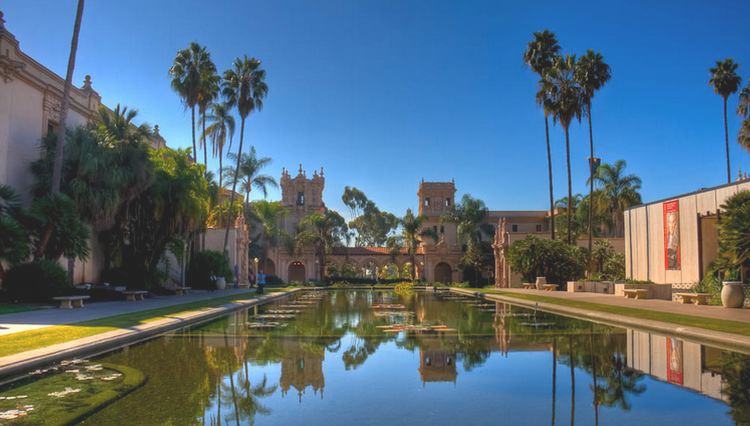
[(368, 251)]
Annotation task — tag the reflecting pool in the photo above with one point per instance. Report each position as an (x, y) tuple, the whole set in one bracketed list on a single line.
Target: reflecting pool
[(377, 357)]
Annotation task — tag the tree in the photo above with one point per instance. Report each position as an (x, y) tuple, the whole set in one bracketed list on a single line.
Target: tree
[(469, 216), (743, 110), (243, 87), (412, 232), (250, 175), (534, 257), (566, 103), (208, 91), (540, 56), (267, 216), (188, 72), (619, 190), (14, 241), (734, 232), (221, 126), (372, 225), (725, 81), (591, 73), (322, 231), (65, 103)]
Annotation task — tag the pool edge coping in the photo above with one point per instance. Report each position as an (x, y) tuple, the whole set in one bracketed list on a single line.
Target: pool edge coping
[(102, 342)]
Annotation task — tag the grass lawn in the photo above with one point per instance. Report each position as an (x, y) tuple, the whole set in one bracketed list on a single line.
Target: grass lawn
[(9, 308), (47, 336), (713, 324)]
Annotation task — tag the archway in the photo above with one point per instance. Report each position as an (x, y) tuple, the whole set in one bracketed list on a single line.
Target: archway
[(269, 268), (296, 272), (443, 273)]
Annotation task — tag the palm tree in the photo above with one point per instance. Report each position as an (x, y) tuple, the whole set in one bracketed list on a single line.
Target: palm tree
[(267, 216), (725, 81), (566, 103), (412, 233), (188, 72), (743, 108), (619, 190), (591, 73), (469, 216), (322, 231), (208, 91), (222, 125), (244, 87), (540, 56), (250, 176), (744, 134), (65, 103)]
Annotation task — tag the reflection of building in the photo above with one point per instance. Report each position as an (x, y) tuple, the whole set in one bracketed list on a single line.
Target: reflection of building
[(675, 361), (436, 364), (302, 366), (437, 261), (674, 241)]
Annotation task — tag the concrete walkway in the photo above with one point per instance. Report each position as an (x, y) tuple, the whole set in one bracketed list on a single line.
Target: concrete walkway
[(717, 312), (30, 320)]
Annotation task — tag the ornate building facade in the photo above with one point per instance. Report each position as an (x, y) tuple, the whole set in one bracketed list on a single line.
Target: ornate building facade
[(436, 261)]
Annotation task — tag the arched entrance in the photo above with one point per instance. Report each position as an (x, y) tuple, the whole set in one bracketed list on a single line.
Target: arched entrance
[(443, 273), (296, 272), (269, 268)]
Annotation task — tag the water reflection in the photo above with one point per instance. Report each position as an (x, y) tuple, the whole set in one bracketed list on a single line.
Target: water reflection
[(494, 358)]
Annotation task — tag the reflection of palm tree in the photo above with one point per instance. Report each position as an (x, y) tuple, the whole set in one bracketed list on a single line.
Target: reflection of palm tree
[(249, 404), (554, 376), (572, 382)]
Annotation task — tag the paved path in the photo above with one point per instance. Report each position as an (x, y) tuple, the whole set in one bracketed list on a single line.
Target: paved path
[(30, 320), (718, 312)]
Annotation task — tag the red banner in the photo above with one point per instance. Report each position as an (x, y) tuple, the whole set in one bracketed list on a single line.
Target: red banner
[(674, 361), (672, 235)]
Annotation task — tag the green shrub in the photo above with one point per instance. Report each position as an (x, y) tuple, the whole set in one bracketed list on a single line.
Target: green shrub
[(734, 235), (204, 266), (614, 267), (37, 281), (557, 261)]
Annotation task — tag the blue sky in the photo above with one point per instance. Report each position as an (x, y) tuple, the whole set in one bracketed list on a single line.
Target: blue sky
[(385, 93)]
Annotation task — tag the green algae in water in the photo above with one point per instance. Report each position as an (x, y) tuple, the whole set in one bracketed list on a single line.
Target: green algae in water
[(65, 393)]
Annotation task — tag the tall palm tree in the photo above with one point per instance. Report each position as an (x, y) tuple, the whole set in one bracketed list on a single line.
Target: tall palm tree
[(412, 232), (322, 231), (743, 109), (619, 190), (540, 56), (244, 87), (566, 104), (591, 73), (267, 215), (469, 216), (208, 91), (725, 81), (65, 103), (744, 134), (221, 125), (187, 72), (250, 175)]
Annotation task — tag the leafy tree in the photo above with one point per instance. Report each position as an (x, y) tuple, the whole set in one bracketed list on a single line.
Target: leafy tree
[(244, 87), (188, 72), (619, 191), (469, 216), (14, 240), (57, 229), (725, 81), (250, 175), (220, 128), (566, 103), (372, 225), (560, 262), (734, 232), (570, 216), (322, 231), (540, 56), (592, 73), (265, 218), (743, 110)]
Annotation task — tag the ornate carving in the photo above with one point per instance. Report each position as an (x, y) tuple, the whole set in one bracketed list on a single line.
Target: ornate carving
[(52, 107), (9, 68)]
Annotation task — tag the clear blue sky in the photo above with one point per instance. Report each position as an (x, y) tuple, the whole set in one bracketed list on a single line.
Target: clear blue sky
[(384, 93)]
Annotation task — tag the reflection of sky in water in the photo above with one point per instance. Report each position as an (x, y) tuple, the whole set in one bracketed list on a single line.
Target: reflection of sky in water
[(493, 371)]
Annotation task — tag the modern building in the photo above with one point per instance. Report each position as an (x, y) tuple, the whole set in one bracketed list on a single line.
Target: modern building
[(437, 261), (673, 241)]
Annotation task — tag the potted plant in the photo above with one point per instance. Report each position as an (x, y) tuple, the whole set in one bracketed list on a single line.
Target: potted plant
[(732, 292)]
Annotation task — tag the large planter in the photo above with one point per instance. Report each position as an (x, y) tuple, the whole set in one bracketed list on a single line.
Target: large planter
[(732, 294), (221, 283)]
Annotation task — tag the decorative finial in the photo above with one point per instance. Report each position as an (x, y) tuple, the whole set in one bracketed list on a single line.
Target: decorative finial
[(321, 171), (156, 129), (87, 82), (2, 21), (300, 168)]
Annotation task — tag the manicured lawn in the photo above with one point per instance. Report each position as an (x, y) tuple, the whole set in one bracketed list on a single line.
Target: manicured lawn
[(47, 336), (713, 324), (7, 308)]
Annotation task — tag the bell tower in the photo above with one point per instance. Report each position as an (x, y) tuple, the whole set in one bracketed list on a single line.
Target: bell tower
[(435, 198)]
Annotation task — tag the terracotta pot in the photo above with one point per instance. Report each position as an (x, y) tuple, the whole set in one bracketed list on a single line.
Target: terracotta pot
[(732, 294)]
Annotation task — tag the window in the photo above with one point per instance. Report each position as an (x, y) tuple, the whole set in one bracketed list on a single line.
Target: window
[(51, 127), (427, 202), (514, 228), (434, 228), (300, 198), (539, 228), (442, 229), (447, 202)]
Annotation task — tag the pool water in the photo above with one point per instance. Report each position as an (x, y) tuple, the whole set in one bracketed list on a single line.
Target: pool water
[(377, 357)]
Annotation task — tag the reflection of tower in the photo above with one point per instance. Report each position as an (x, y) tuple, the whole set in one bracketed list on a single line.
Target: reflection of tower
[(302, 367), (435, 363), (502, 329)]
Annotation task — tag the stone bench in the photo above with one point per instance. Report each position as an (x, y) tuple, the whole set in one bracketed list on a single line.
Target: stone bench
[(70, 302), (549, 287), (528, 286), (182, 290), (134, 295), (695, 298), (636, 293)]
